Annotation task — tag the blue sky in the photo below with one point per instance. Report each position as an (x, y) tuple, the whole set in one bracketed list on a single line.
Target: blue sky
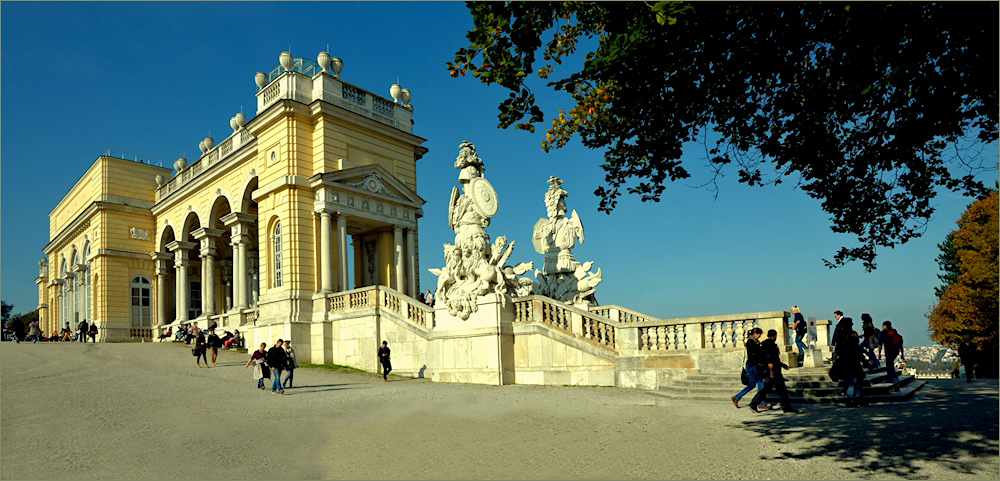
[(155, 78)]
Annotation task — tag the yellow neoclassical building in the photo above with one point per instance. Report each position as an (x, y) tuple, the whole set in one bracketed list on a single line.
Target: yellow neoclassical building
[(258, 231)]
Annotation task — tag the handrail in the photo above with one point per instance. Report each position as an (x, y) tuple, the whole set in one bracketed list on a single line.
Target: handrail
[(623, 314)]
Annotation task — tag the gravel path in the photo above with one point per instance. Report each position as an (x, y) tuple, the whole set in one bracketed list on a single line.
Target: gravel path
[(143, 411)]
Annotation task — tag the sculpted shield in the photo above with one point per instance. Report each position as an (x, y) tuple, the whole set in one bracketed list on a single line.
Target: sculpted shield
[(484, 198)]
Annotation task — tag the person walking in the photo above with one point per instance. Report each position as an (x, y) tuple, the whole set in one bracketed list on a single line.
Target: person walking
[(383, 357), (290, 363), (844, 325), (850, 368), (84, 330), (213, 344), (33, 331), (276, 361), (260, 371), (801, 329), (17, 330), (967, 352), (66, 335), (753, 367), (869, 340), (890, 339), (199, 349), (93, 331), (773, 378)]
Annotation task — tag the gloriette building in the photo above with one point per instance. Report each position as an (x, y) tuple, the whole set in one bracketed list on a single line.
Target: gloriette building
[(258, 230)]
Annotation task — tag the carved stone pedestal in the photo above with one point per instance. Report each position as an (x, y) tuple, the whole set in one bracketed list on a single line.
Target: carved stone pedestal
[(813, 358), (479, 350)]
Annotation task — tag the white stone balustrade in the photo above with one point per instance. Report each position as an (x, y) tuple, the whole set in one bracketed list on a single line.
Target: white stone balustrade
[(367, 300), (211, 160), (333, 90)]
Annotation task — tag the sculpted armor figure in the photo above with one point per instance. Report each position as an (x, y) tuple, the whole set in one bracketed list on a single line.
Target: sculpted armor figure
[(473, 267)]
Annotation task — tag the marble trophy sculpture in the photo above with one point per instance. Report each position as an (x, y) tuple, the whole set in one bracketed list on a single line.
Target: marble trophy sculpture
[(473, 266), (562, 278)]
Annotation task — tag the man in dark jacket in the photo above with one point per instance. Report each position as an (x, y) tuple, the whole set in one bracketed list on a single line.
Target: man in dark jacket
[(967, 352), (214, 343), (772, 375), (276, 359), (17, 329), (84, 329), (844, 326)]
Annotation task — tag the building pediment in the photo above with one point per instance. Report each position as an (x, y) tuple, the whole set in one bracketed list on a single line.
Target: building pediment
[(373, 180)]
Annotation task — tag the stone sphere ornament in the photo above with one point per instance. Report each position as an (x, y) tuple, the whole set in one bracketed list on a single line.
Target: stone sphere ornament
[(285, 59), (404, 95), (337, 65), (323, 59), (180, 164), (394, 92), (260, 79)]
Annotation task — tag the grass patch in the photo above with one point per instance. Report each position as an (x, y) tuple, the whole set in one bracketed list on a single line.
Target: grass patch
[(335, 368)]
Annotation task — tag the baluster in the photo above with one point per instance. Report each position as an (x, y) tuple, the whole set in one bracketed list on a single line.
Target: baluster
[(661, 338), (727, 334)]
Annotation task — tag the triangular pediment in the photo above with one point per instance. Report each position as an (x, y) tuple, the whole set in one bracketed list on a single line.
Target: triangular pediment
[(375, 180)]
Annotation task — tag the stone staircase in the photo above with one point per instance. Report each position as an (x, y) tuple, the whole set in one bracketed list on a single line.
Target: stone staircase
[(805, 386)]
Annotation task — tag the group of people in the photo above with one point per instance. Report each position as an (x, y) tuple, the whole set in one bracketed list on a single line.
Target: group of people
[(764, 372), (426, 298), (188, 333), (270, 363), (15, 333), (855, 354)]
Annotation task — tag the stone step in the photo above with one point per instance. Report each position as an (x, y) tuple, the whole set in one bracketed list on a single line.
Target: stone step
[(665, 398)]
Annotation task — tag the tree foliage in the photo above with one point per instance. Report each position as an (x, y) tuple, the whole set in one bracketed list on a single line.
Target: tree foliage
[(862, 105), (948, 263), (969, 304)]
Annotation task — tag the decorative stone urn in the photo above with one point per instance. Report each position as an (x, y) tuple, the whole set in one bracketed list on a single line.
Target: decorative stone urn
[(159, 180), (323, 59), (260, 79), (394, 92), (404, 95), (239, 120), (209, 143), (285, 59), (201, 147), (337, 66), (180, 164)]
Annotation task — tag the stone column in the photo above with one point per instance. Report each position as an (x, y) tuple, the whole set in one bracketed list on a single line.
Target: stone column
[(181, 263), (397, 241), (342, 251), (411, 264), (240, 226), (207, 237), (326, 252), (162, 269), (227, 284), (253, 278)]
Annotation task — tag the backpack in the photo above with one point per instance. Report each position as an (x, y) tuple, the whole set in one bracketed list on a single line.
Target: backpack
[(893, 340)]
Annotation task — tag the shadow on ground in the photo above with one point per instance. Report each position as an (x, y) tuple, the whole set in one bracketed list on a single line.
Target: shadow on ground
[(953, 423)]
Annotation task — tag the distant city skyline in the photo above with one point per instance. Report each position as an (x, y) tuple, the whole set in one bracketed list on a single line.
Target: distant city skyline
[(155, 78)]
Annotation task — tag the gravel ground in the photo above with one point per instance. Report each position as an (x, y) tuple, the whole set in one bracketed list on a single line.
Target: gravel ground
[(143, 411)]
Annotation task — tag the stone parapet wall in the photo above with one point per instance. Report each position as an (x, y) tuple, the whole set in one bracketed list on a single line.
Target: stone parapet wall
[(531, 340)]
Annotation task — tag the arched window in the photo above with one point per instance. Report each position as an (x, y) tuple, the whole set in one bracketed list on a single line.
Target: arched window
[(141, 315), (277, 253)]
